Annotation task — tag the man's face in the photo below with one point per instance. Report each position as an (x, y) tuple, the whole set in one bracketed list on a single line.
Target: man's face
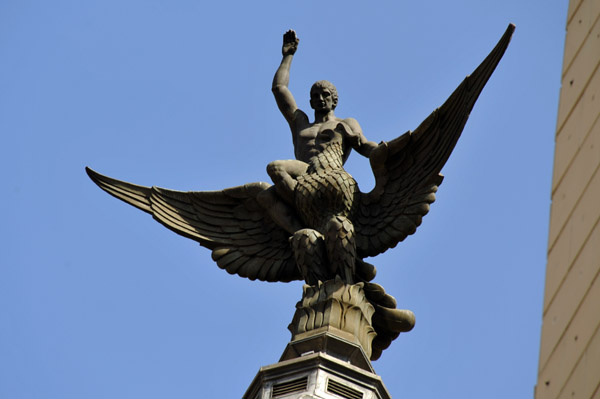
[(321, 99)]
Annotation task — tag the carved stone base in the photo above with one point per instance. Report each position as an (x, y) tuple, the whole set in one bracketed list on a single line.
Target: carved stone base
[(337, 309), (328, 356), (329, 340)]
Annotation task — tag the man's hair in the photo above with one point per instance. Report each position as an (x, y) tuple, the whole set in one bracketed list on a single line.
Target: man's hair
[(324, 84)]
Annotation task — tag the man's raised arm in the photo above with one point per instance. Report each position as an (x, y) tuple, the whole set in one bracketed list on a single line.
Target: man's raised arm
[(283, 96)]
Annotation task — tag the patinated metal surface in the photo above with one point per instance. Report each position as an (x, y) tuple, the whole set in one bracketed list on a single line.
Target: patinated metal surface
[(314, 224)]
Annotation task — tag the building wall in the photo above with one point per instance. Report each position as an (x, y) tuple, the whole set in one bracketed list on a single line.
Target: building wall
[(569, 365)]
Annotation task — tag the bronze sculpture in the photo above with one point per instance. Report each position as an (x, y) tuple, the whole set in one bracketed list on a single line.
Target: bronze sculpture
[(314, 224)]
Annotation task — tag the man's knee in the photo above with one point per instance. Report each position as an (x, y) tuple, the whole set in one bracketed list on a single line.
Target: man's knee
[(275, 169), (281, 169)]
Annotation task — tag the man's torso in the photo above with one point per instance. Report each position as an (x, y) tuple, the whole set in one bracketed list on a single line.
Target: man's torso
[(305, 136)]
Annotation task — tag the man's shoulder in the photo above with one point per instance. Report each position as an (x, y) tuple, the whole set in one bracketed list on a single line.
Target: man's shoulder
[(353, 123)]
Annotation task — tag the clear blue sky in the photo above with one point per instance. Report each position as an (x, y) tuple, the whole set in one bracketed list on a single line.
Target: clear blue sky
[(99, 301)]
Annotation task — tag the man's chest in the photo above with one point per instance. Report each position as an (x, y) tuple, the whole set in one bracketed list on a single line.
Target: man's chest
[(309, 133)]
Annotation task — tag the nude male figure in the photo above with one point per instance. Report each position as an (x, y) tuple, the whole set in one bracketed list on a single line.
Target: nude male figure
[(323, 99)]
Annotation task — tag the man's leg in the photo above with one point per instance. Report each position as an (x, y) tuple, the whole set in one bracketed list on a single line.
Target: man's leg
[(284, 174), (279, 199)]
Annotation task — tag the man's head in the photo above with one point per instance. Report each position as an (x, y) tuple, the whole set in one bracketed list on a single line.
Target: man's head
[(323, 96)]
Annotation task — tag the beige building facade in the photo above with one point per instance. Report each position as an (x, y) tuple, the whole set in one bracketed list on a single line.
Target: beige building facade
[(569, 364)]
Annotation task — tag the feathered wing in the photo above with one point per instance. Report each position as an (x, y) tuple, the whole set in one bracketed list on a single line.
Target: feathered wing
[(407, 168), (243, 238)]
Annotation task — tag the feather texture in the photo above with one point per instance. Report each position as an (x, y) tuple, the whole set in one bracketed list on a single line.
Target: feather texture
[(243, 238), (407, 169)]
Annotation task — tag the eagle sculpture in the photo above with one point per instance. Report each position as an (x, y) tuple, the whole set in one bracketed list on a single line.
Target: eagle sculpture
[(342, 225)]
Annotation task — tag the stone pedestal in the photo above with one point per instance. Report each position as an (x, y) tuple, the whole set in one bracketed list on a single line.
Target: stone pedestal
[(337, 307), (328, 356), (319, 375)]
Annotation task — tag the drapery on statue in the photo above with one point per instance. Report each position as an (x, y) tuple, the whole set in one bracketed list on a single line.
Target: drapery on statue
[(314, 224)]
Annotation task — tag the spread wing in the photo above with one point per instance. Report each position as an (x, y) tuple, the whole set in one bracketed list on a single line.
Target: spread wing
[(243, 238), (407, 168)]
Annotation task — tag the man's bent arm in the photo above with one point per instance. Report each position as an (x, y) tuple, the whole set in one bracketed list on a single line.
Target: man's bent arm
[(356, 138), (366, 147)]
